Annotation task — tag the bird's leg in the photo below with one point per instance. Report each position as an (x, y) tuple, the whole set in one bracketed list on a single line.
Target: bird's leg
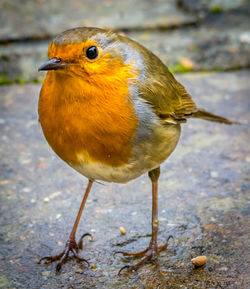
[(71, 245), (152, 250)]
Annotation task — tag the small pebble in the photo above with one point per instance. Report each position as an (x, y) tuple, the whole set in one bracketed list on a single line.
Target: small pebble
[(46, 200), (214, 174), (199, 261), (4, 182), (187, 63), (123, 231), (41, 165), (46, 273), (245, 37), (59, 243), (24, 161), (223, 269), (55, 194), (26, 190)]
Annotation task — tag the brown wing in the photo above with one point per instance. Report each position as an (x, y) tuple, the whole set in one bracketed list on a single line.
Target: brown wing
[(168, 97)]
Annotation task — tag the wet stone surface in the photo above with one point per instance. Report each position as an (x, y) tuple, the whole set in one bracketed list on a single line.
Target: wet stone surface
[(40, 19), (212, 6), (202, 201), (222, 43), (187, 35)]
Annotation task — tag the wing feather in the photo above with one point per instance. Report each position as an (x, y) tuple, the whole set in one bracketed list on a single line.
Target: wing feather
[(167, 96)]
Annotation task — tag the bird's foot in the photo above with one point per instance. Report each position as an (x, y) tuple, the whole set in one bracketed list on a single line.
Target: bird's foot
[(148, 254), (71, 246)]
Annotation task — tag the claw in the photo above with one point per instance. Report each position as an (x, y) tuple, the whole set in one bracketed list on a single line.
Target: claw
[(117, 252), (170, 237), (141, 253), (136, 265), (79, 259), (51, 259), (58, 267), (79, 244), (71, 246), (125, 267), (148, 254), (165, 245)]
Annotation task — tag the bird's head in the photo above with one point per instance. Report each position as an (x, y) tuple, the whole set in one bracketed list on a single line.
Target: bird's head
[(94, 53)]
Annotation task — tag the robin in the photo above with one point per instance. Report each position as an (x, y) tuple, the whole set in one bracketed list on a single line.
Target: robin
[(112, 110)]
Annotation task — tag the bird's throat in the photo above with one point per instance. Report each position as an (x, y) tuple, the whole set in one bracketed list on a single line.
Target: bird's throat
[(96, 123)]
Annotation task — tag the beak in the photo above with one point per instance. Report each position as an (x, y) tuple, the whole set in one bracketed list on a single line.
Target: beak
[(53, 64)]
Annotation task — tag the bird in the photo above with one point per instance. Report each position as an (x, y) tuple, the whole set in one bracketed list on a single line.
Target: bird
[(112, 111)]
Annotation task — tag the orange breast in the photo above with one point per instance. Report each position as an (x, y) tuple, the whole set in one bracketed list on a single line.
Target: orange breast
[(82, 120)]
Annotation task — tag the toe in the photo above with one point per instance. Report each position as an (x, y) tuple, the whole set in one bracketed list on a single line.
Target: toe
[(79, 244), (141, 253), (51, 259)]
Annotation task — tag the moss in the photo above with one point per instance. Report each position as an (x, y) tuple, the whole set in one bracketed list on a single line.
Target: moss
[(4, 282), (179, 68), (36, 81), (216, 9), (21, 80), (205, 70), (5, 81), (4, 58)]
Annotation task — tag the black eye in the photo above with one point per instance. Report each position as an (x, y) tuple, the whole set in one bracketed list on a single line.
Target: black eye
[(92, 52)]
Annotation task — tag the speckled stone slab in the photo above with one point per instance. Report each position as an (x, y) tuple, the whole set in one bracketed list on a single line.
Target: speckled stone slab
[(39, 19), (203, 201), (222, 42)]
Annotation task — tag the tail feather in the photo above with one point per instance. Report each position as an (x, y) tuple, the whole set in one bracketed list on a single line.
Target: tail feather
[(201, 113)]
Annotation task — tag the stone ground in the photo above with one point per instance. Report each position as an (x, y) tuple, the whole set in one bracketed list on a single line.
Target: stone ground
[(188, 35), (203, 200), (204, 186)]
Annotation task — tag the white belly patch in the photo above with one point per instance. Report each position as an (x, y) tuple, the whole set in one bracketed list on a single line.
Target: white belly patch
[(99, 171), (147, 156)]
